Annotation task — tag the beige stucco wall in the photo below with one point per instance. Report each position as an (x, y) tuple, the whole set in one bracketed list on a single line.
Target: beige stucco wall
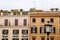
[(12, 19), (20, 26), (38, 24), (10, 33)]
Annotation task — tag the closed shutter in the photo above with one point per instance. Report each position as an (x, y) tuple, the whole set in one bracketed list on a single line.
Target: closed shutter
[(16, 22), (25, 22), (6, 22)]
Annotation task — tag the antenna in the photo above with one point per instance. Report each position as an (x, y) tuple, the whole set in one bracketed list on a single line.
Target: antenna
[(34, 4)]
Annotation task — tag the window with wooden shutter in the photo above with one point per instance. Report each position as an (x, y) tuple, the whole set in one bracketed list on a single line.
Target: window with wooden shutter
[(25, 22), (51, 20), (34, 30), (42, 38), (16, 22), (52, 38), (5, 32), (33, 38), (6, 22), (42, 20), (34, 20), (42, 30)]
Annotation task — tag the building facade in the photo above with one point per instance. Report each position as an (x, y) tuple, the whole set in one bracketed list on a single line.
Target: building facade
[(44, 25), (29, 25), (14, 25)]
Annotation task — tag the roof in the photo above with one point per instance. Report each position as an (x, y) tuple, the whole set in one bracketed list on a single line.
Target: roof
[(44, 13)]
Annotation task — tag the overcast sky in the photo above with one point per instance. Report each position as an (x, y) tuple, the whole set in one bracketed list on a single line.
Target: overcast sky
[(27, 4)]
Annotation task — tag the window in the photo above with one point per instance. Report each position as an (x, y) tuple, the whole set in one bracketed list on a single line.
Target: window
[(24, 38), (24, 13), (42, 38), (42, 30), (6, 22), (47, 38), (16, 22), (25, 22), (42, 19), (53, 30), (34, 30), (33, 20), (52, 38), (16, 32), (14, 13), (33, 38), (4, 14), (4, 38), (4, 32), (15, 39), (24, 31), (51, 20), (18, 13)]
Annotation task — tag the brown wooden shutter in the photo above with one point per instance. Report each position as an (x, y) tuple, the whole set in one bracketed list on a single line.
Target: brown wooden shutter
[(16, 22), (6, 22), (25, 22)]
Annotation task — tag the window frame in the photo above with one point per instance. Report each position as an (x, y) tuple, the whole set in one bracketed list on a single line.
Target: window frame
[(42, 20), (51, 20), (25, 31), (35, 29), (5, 30), (15, 31), (34, 20)]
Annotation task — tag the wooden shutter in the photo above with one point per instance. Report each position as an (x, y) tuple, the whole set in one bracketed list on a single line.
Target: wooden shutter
[(25, 22), (6, 22), (16, 22)]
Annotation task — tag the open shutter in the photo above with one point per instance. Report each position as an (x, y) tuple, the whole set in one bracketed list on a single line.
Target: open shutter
[(44, 30), (40, 29), (54, 29)]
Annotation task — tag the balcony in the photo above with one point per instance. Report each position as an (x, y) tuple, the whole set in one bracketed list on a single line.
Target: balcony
[(13, 26)]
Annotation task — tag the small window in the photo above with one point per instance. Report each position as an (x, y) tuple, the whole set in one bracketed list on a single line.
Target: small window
[(5, 14), (24, 38), (42, 38), (47, 38), (15, 32), (4, 38), (34, 30), (33, 38), (4, 32), (52, 38), (14, 13), (51, 20), (33, 20), (24, 13), (18, 13), (24, 31), (42, 19), (15, 39)]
